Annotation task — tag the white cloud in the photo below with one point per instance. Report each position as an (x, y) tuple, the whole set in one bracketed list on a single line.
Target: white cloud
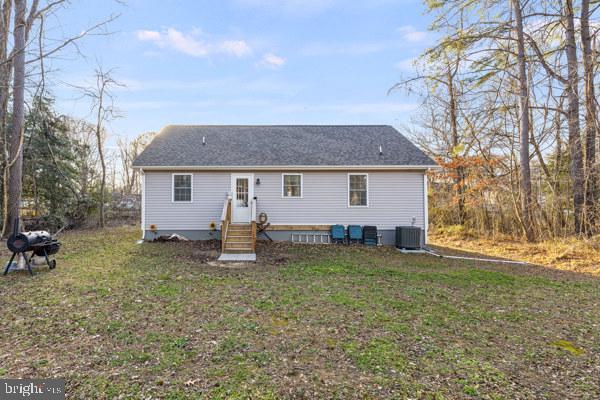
[(186, 44), (148, 35), (411, 34), (271, 60), (193, 44), (237, 48)]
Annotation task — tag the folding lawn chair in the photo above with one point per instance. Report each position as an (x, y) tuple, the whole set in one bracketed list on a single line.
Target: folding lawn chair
[(355, 233), (338, 234)]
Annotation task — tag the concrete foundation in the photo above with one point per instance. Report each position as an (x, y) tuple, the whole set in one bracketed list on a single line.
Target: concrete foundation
[(388, 236)]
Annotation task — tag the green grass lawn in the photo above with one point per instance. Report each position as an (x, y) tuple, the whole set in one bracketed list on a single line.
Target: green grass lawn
[(160, 320)]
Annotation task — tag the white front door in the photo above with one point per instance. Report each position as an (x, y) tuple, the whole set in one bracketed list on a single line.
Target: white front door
[(242, 188)]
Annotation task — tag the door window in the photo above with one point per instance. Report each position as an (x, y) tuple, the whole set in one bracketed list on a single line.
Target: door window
[(241, 192)]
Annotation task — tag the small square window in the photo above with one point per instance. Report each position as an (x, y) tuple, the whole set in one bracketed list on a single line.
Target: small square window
[(292, 185)]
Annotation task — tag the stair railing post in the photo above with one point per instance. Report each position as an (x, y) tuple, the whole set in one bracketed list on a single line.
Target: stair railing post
[(254, 224)]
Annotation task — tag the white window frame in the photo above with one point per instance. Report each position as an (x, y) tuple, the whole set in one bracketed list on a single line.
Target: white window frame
[(283, 196), (173, 188), (348, 189)]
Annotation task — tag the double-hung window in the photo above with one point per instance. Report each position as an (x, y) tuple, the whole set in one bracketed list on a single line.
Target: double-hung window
[(358, 190), (182, 188), (291, 185)]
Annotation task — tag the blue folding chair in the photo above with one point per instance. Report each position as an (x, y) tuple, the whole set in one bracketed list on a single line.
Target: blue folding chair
[(355, 233), (338, 234)]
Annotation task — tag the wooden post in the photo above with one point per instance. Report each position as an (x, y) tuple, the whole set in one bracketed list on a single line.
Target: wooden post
[(223, 237), (253, 223), (254, 236)]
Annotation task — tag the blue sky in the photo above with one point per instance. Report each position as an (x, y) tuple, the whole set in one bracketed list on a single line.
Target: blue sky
[(246, 61)]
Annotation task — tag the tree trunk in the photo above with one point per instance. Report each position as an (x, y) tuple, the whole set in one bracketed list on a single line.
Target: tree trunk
[(102, 188), (100, 144), (459, 179), (575, 149), (5, 65), (5, 77), (14, 167), (591, 116), (526, 201)]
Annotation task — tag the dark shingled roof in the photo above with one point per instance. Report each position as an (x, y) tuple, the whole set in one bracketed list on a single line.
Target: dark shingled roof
[(283, 145)]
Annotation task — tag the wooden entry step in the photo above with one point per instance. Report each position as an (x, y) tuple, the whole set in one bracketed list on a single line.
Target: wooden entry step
[(239, 239)]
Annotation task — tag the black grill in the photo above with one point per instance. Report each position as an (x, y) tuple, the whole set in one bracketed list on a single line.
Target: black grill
[(39, 243)]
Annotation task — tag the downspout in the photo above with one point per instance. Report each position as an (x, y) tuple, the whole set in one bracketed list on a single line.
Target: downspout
[(143, 208), (426, 206)]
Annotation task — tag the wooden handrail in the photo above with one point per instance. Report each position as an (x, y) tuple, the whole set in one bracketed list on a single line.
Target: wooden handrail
[(226, 213), (225, 221)]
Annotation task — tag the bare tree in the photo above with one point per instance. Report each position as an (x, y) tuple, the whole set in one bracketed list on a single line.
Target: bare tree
[(102, 105), (13, 169), (572, 88), (526, 201), (591, 115), (517, 87), (128, 152), (441, 86), (5, 77), (570, 83), (13, 63)]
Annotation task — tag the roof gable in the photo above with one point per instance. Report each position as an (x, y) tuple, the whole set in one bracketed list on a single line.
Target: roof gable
[(280, 145)]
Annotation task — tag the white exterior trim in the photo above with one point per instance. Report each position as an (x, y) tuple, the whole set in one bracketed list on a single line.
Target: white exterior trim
[(348, 191), (173, 188), (283, 196), (290, 168)]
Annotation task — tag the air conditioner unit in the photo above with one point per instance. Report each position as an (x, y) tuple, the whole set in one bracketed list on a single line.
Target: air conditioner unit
[(409, 237)]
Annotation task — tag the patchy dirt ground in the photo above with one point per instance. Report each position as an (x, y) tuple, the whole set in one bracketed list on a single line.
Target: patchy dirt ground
[(164, 320)]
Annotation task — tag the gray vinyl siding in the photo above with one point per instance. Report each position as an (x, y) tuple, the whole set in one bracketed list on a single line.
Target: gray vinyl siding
[(208, 193), (395, 198)]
